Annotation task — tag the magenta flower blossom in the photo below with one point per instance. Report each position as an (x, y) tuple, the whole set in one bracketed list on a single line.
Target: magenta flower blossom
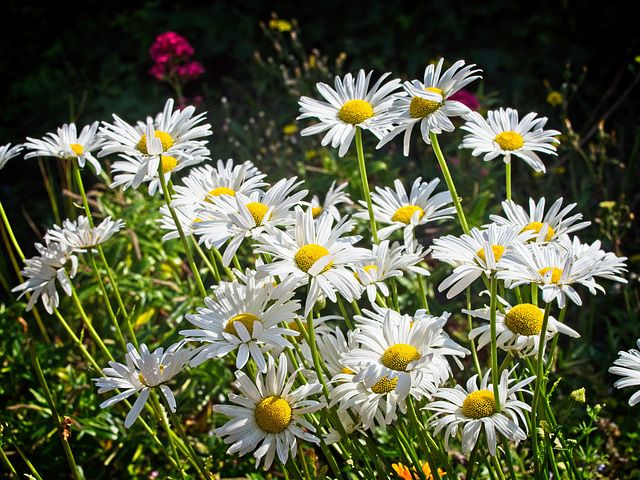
[(170, 46)]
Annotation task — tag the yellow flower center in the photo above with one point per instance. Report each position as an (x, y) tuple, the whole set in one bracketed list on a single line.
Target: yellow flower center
[(77, 149), (294, 326), (525, 319), (355, 112), (555, 276), (367, 269), (168, 164), (142, 380), (509, 140), (385, 385), (421, 107), (257, 211), (315, 211), (479, 404), (245, 319), (404, 214), (216, 192), (536, 227), (273, 414), (165, 138), (498, 250), (348, 371), (309, 254), (398, 356)]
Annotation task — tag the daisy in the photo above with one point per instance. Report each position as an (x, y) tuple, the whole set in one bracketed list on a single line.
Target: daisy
[(548, 227), (55, 261), (314, 253), (187, 217), (66, 144), (268, 417), (333, 197), (143, 371), (350, 106), (79, 235), (474, 408), (555, 270), (236, 217), (502, 134), (241, 318), (427, 103), (402, 211), (7, 152), (475, 254), (408, 352), (628, 366), (518, 328)]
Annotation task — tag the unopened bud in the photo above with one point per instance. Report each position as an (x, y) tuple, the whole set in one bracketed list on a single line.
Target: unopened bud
[(578, 396)]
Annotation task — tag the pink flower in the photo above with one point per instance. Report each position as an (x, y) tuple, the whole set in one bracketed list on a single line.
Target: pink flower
[(159, 70), (466, 98), (170, 45), (190, 70)]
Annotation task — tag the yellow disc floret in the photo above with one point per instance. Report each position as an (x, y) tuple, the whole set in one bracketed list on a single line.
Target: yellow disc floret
[(273, 414), (309, 254), (355, 112), (479, 404), (257, 211), (404, 214), (385, 385), (498, 250), (536, 227), (216, 192), (165, 138), (348, 371), (367, 269), (555, 276), (77, 149), (168, 164), (142, 380), (315, 211), (525, 319), (509, 140), (398, 356), (421, 107), (245, 319)]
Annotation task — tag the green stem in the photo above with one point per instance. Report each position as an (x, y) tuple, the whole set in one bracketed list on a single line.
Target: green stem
[(7, 464), (449, 180), (77, 341), (474, 352), (472, 461), (365, 184), (538, 393), (417, 425), (89, 324), (508, 180), (167, 428), (494, 347)]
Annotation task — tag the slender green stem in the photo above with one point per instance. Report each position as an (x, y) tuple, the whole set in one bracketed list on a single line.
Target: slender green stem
[(507, 457), (77, 341), (7, 225), (449, 180), (508, 180), (365, 184), (92, 332), (472, 461), (417, 425), (495, 378), (54, 411), (305, 467), (402, 436), (474, 352), (8, 464), (538, 393), (167, 428), (497, 467)]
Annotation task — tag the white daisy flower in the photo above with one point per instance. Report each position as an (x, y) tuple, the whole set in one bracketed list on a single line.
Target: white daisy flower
[(268, 418), (55, 261), (549, 226), (350, 105), (143, 371), (628, 366), (402, 211), (187, 217), (7, 152), (333, 197), (79, 235), (67, 144), (236, 217), (314, 253), (517, 329), (241, 318), (390, 260), (475, 408), (475, 254), (555, 270), (503, 134), (409, 352), (427, 103)]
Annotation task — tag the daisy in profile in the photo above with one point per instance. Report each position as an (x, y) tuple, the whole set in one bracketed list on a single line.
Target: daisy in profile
[(351, 105), (517, 329), (241, 319), (7, 152), (548, 227), (235, 217), (477, 253), (67, 144), (55, 261), (628, 366), (504, 134), (143, 371), (334, 196), (474, 408), (428, 103), (187, 217), (314, 253), (268, 417), (79, 235), (406, 212)]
